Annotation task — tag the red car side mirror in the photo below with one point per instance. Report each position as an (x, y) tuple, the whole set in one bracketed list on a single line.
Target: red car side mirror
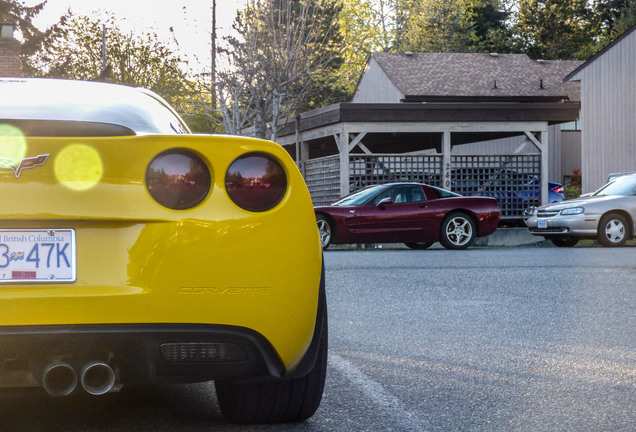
[(384, 201)]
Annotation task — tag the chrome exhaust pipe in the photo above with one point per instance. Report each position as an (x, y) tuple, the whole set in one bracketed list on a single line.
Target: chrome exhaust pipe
[(59, 379), (97, 378)]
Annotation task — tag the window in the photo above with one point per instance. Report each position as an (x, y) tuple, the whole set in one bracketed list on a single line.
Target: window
[(401, 194)]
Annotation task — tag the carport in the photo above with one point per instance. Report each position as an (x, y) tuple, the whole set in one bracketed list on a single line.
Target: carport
[(345, 146)]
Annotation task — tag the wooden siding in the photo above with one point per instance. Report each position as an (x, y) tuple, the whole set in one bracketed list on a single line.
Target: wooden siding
[(608, 113), (376, 87), (555, 154), (570, 152)]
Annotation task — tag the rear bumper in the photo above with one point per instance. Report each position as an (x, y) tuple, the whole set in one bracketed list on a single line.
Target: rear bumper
[(146, 353), (139, 353)]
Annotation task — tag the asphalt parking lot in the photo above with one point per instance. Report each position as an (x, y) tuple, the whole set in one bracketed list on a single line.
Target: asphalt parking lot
[(532, 339), (486, 339)]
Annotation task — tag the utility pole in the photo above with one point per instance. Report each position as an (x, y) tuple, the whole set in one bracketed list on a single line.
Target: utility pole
[(103, 75), (213, 55), (104, 61)]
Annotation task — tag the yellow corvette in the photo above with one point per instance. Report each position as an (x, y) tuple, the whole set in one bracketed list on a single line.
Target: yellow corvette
[(133, 252)]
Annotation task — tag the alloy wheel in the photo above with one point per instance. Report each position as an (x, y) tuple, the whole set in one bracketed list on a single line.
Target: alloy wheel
[(459, 231)]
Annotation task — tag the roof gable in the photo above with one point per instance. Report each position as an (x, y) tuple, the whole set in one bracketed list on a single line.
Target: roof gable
[(573, 76)]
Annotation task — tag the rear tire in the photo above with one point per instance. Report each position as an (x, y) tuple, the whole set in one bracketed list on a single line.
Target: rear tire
[(564, 241), (612, 230), (457, 231), (277, 401)]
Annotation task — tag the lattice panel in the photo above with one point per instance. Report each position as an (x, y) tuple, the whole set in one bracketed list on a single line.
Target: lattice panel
[(365, 170), (323, 179), (514, 180)]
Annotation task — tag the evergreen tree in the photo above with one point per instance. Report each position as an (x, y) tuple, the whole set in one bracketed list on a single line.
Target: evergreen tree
[(491, 30), (555, 29), (439, 26), (18, 13), (458, 26), (612, 18)]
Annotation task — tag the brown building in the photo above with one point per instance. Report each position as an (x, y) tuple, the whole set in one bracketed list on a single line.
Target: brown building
[(9, 52), (608, 110), (470, 123)]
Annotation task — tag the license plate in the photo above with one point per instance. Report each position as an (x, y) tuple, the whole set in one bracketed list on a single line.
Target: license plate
[(542, 223), (37, 255)]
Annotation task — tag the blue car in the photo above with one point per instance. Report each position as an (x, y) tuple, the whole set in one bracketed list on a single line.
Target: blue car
[(515, 192), (530, 192)]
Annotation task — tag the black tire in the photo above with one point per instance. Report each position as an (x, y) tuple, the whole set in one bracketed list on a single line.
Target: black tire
[(419, 245), (566, 241), (278, 401), (457, 231), (326, 231), (613, 230)]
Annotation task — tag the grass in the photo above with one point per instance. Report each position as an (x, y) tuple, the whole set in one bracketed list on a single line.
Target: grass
[(594, 243)]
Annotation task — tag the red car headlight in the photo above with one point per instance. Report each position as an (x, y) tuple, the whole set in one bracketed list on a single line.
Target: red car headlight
[(178, 179), (256, 182)]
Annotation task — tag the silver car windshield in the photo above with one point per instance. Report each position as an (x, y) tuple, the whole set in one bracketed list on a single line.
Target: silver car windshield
[(624, 186)]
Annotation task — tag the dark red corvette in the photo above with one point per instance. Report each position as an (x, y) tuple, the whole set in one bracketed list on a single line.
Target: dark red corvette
[(411, 213)]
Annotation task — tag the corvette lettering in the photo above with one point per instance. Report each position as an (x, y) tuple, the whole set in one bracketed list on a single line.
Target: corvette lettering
[(26, 163), (224, 291)]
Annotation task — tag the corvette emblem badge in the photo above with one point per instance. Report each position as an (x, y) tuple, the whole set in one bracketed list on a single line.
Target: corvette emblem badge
[(30, 162)]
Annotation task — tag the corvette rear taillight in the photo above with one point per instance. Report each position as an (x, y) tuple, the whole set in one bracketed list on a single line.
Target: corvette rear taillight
[(558, 189), (256, 182), (178, 179)]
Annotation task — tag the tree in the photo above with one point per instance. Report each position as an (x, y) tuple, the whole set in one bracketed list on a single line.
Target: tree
[(22, 16), (439, 26), (280, 63), (74, 51), (612, 18), (555, 29), (458, 26), (368, 26), (491, 29)]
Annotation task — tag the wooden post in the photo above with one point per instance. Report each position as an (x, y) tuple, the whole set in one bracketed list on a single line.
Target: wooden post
[(446, 160), (343, 151), (545, 165)]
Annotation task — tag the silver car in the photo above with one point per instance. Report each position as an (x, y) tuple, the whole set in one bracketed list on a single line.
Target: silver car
[(606, 215)]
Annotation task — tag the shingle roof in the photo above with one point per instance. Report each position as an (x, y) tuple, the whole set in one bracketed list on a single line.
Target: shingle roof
[(422, 76)]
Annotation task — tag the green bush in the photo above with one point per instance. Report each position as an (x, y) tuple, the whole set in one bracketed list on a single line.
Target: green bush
[(571, 191)]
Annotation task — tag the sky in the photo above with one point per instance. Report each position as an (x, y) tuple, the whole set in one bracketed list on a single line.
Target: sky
[(190, 19)]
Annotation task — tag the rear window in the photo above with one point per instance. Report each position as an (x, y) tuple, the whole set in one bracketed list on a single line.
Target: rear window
[(79, 107), (443, 193), (53, 128)]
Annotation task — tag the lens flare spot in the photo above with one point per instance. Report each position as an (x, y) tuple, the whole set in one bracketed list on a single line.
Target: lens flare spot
[(13, 146), (78, 167)]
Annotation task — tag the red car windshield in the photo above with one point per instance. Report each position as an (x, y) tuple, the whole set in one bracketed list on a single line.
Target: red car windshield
[(360, 197)]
